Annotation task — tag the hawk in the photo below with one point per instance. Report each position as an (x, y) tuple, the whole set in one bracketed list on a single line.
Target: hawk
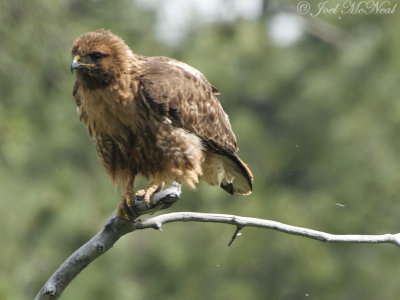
[(153, 116)]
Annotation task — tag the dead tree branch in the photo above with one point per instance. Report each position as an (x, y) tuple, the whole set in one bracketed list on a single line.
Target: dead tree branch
[(116, 227)]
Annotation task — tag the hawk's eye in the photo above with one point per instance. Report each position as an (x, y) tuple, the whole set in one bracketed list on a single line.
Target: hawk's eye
[(96, 55)]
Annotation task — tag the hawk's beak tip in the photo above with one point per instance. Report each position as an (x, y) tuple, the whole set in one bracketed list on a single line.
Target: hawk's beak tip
[(74, 65)]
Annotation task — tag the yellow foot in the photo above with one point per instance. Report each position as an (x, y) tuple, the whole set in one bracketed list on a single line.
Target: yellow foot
[(148, 192), (126, 205)]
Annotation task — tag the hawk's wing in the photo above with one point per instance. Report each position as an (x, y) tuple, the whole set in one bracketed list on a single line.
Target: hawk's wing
[(184, 95)]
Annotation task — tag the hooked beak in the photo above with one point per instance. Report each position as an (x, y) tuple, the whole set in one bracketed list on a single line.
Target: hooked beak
[(75, 63)]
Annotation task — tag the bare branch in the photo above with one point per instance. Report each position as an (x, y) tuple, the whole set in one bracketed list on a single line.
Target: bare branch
[(242, 222), (116, 227)]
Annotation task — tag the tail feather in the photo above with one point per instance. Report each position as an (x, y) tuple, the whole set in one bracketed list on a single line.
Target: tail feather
[(229, 172), (239, 177)]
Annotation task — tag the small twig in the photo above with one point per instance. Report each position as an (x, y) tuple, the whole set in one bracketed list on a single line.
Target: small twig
[(235, 234)]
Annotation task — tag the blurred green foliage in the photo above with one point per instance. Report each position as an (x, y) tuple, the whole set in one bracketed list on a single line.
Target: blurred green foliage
[(318, 124)]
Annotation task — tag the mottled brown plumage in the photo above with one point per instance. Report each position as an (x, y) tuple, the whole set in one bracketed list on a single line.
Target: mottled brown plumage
[(153, 116)]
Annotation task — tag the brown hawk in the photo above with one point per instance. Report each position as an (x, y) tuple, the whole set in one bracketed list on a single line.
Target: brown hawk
[(153, 116)]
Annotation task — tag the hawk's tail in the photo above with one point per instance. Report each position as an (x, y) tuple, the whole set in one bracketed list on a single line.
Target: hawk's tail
[(240, 177)]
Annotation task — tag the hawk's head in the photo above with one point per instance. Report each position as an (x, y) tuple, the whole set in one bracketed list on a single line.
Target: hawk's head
[(100, 57)]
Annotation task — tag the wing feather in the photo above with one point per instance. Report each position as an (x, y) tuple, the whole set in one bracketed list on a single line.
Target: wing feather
[(188, 99)]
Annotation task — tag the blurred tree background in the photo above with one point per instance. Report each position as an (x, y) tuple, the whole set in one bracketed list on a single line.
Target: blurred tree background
[(314, 104)]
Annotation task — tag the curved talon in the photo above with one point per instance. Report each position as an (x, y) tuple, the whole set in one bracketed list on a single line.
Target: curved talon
[(126, 206), (122, 211), (159, 187), (140, 193)]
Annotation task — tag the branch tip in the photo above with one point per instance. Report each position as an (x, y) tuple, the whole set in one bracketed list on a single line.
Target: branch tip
[(158, 226), (235, 234)]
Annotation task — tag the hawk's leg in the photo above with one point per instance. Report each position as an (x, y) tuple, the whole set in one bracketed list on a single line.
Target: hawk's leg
[(156, 185), (126, 204), (127, 198)]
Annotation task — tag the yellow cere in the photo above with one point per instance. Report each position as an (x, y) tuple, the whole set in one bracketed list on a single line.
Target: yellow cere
[(77, 58)]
